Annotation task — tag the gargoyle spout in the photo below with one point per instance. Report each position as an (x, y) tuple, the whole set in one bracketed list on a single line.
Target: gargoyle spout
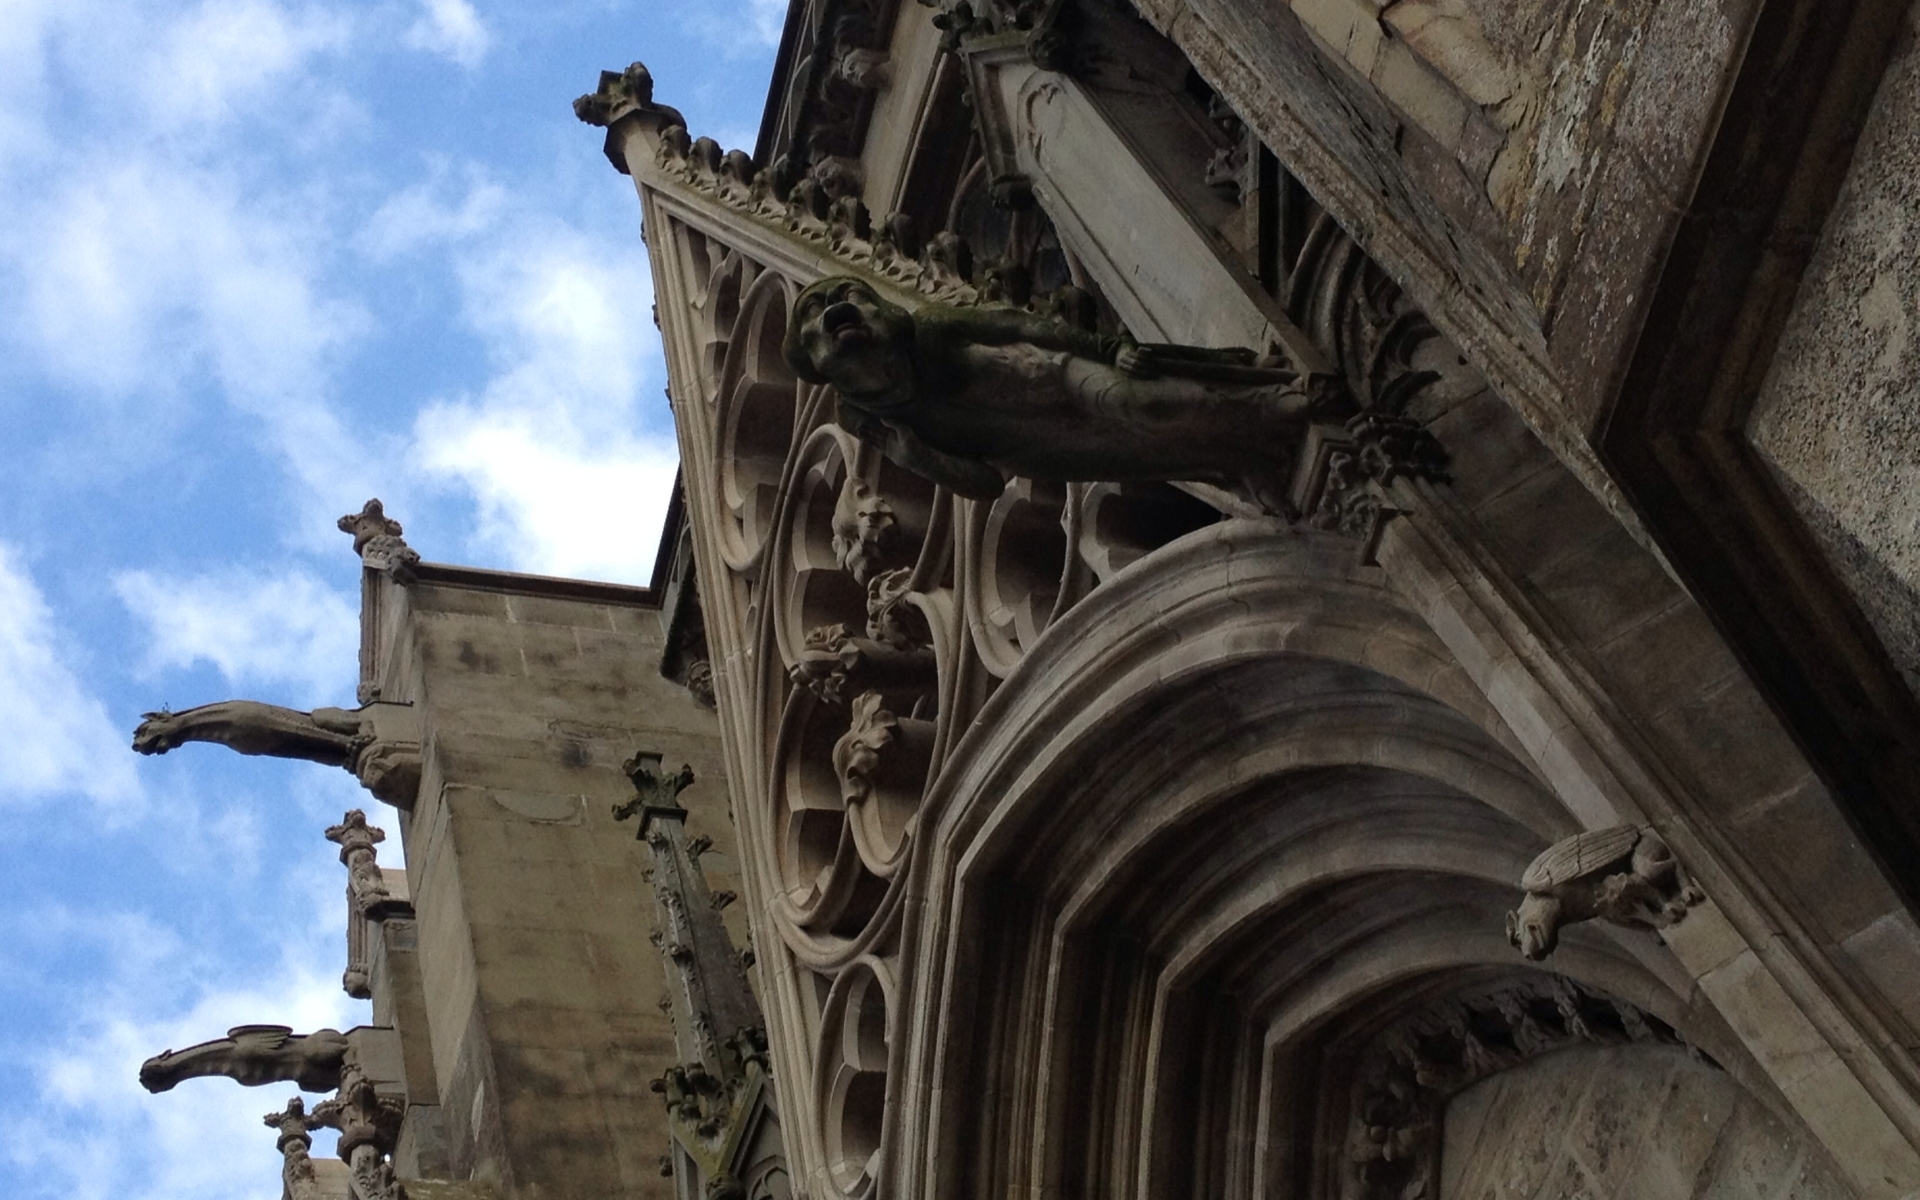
[(325, 735), (254, 1055)]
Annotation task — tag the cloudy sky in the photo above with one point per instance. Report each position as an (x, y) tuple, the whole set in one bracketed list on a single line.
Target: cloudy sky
[(261, 260)]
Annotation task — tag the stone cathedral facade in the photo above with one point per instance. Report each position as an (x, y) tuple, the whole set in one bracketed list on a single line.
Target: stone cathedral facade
[(1301, 600)]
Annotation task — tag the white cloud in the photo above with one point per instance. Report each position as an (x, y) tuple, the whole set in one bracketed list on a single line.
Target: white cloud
[(451, 28), (424, 214), (90, 1132), (769, 17), (552, 448), (224, 53), (288, 628), (143, 266), (59, 737)]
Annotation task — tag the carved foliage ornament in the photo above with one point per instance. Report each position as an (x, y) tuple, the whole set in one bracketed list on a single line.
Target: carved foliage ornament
[(1377, 450)]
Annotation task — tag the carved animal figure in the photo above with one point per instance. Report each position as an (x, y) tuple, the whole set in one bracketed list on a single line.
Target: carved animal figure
[(255, 1055), (1625, 874), (326, 735), (966, 396)]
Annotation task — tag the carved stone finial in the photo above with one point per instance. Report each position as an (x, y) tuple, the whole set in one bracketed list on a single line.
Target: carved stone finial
[(368, 898), (254, 1055), (370, 522), (377, 540), (619, 93), (369, 1125), (652, 786), (1626, 875), (295, 1144)]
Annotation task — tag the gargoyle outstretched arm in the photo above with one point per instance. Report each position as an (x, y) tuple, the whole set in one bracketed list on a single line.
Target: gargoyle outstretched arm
[(943, 329), (961, 476)]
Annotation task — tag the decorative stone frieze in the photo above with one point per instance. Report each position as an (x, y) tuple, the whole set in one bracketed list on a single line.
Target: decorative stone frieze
[(1626, 875)]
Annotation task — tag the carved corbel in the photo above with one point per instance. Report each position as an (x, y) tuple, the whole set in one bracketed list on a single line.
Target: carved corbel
[(862, 68), (1626, 875)]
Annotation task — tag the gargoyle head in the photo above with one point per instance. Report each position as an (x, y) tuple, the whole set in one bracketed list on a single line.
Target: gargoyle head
[(1534, 927), (843, 333), (158, 733)]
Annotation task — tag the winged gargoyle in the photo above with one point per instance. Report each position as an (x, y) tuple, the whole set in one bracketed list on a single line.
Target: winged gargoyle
[(255, 1055), (1625, 874)]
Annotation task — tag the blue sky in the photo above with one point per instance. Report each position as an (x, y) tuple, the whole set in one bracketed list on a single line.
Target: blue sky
[(261, 260)]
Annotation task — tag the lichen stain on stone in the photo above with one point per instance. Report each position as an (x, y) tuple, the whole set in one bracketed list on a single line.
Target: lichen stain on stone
[(1562, 137)]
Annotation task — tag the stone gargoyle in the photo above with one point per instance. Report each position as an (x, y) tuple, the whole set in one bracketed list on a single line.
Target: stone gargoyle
[(967, 396), (1625, 874), (255, 1055), (389, 767), (326, 735)]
